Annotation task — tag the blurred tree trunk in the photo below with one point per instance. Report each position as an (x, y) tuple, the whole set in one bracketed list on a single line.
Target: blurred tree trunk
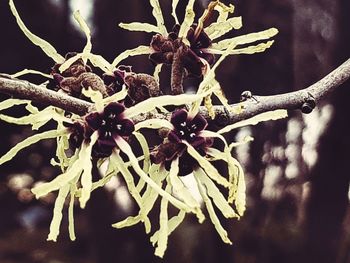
[(326, 46)]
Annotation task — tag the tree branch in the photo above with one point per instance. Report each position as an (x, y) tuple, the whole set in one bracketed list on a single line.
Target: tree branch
[(240, 111)]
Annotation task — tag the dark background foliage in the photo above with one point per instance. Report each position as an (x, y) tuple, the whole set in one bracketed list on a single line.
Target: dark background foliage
[(297, 211)]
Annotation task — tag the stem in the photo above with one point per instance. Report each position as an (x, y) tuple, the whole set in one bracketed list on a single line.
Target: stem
[(290, 101), (177, 73)]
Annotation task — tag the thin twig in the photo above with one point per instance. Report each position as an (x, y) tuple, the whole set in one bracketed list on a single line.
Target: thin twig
[(290, 101)]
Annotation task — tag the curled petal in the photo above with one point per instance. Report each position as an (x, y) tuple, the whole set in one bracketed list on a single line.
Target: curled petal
[(198, 123), (113, 108), (172, 136), (210, 58), (94, 119), (179, 117), (198, 141), (127, 127), (192, 63)]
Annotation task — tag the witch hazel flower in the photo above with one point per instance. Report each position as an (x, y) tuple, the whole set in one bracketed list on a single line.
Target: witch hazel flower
[(187, 129), (187, 150), (199, 39), (190, 47)]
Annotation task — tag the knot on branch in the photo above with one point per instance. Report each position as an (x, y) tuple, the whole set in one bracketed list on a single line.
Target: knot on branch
[(309, 104)]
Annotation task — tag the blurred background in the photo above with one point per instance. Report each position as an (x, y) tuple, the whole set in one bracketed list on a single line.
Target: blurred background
[(297, 170)]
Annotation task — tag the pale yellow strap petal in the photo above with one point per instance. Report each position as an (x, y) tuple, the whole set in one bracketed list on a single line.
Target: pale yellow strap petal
[(173, 223), (207, 166), (153, 124), (188, 20), (145, 150), (266, 116), (86, 177), (157, 71), (182, 192), (71, 229), (215, 194), (30, 71), (216, 30), (154, 102), (84, 27), (157, 13), (100, 62), (44, 45), (6, 104), (173, 10), (142, 27), (74, 170), (140, 50), (69, 62), (244, 39), (116, 97), (129, 180), (29, 141), (57, 213), (163, 226), (125, 147), (213, 217)]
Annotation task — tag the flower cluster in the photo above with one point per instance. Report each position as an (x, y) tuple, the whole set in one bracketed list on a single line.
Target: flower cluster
[(119, 96)]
